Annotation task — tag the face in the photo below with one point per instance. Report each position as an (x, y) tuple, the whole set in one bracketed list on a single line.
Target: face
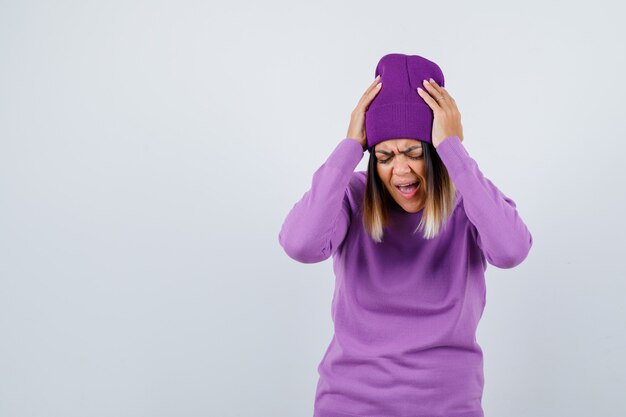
[(400, 162)]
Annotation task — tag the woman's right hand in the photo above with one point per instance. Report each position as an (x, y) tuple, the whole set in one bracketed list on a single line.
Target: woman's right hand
[(356, 130)]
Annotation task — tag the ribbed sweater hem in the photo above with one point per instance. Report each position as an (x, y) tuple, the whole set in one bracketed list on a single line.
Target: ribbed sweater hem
[(318, 412)]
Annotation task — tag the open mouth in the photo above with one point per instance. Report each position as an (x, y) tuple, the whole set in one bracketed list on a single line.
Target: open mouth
[(408, 190)]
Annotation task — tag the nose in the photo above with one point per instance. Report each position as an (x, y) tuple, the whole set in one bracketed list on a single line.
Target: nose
[(401, 165)]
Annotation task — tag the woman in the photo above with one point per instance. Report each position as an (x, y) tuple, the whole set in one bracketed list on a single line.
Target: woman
[(406, 305)]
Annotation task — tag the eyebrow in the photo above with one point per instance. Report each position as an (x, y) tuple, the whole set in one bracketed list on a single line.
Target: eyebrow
[(404, 151)]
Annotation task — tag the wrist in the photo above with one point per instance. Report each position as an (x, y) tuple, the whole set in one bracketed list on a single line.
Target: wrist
[(363, 146), (445, 139)]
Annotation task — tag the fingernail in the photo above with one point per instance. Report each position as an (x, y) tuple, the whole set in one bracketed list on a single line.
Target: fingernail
[(419, 89), (432, 81), (425, 81), (378, 85)]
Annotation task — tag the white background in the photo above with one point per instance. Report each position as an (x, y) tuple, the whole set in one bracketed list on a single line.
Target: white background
[(150, 151)]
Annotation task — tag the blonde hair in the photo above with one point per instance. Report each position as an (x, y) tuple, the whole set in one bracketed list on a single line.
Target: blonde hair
[(440, 197)]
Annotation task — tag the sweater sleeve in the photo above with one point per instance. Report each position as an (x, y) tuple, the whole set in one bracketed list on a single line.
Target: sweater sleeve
[(501, 234), (317, 224)]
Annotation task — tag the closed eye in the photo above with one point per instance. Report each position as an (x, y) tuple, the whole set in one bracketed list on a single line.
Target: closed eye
[(385, 161)]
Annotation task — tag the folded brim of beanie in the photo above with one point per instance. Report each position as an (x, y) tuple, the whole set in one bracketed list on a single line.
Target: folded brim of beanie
[(402, 120)]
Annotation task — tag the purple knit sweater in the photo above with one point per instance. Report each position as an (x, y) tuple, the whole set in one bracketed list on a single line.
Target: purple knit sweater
[(406, 310)]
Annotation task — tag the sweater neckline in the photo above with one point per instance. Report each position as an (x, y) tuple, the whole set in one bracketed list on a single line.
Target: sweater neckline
[(398, 208), (397, 212)]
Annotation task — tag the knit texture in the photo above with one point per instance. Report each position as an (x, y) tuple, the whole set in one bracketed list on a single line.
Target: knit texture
[(405, 311), (398, 111)]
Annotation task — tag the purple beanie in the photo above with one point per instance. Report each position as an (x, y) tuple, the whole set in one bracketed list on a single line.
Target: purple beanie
[(398, 111)]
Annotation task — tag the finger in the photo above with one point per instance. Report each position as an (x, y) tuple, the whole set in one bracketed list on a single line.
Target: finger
[(436, 86), (444, 92), (428, 99), (435, 90), (369, 95), (451, 101), (448, 99), (372, 85), (372, 89)]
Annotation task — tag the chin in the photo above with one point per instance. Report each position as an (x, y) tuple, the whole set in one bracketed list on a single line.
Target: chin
[(414, 208), (411, 206)]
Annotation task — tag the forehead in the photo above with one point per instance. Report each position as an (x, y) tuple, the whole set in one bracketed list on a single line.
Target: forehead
[(400, 144)]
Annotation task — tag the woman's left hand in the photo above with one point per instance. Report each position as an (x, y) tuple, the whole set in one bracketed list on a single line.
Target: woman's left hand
[(447, 118)]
